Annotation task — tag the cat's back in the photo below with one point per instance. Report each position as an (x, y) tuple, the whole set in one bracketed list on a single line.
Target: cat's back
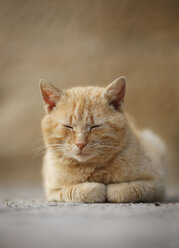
[(153, 143)]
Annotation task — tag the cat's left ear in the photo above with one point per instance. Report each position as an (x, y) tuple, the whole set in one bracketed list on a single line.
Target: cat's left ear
[(115, 93), (50, 95)]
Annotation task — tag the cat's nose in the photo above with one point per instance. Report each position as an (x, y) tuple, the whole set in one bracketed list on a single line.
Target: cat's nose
[(81, 145)]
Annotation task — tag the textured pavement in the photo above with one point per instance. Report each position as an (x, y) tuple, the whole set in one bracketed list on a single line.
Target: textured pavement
[(27, 223)]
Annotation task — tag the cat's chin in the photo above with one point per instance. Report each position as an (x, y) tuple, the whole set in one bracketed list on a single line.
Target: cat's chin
[(82, 157)]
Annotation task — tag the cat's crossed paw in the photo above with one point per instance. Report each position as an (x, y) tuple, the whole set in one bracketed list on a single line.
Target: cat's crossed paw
[(92, 192)]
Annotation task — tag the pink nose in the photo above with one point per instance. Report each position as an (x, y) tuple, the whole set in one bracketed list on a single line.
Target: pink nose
[(81, 145)]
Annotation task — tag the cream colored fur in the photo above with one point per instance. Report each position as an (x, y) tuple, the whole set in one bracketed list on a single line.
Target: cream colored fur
[(118, 163)]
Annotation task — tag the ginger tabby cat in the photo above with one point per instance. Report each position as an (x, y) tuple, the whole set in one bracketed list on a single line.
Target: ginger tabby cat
[(94, 153)]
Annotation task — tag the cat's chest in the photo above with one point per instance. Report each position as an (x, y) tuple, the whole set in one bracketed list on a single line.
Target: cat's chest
[(108, 174), (113, 173)]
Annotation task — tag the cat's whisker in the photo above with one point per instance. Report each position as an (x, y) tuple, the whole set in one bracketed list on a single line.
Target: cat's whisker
[(38, 151), (101, 146), (39, 154)]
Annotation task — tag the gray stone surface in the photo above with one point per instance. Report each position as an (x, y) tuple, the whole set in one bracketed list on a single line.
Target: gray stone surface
[(27, 223)]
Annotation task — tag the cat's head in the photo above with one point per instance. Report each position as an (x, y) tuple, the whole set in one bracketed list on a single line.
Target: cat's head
[(84, 123)]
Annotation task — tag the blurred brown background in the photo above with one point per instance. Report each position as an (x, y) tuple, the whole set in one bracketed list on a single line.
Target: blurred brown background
[(84, 42)]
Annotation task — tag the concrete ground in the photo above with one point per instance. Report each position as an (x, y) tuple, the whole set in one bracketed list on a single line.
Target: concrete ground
[(36, 223)]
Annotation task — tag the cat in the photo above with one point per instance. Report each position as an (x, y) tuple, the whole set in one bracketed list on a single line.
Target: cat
[(94, 152)]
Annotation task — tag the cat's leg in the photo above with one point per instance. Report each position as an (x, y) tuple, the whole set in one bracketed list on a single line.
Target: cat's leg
[(84, 192), (136, 191)]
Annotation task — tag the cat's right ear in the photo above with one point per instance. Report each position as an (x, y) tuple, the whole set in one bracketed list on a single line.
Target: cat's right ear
[(115, 93), (50, 95)]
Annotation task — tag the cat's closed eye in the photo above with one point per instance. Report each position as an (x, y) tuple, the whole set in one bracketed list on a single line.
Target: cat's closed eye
[(96, 126), (67, 126)]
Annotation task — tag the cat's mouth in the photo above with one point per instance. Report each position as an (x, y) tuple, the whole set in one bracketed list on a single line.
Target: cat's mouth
[(82, 156), (81, 153)]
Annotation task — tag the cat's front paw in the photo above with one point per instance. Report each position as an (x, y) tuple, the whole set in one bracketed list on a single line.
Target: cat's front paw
[(121, 193), (115, 193), (92, 192)]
